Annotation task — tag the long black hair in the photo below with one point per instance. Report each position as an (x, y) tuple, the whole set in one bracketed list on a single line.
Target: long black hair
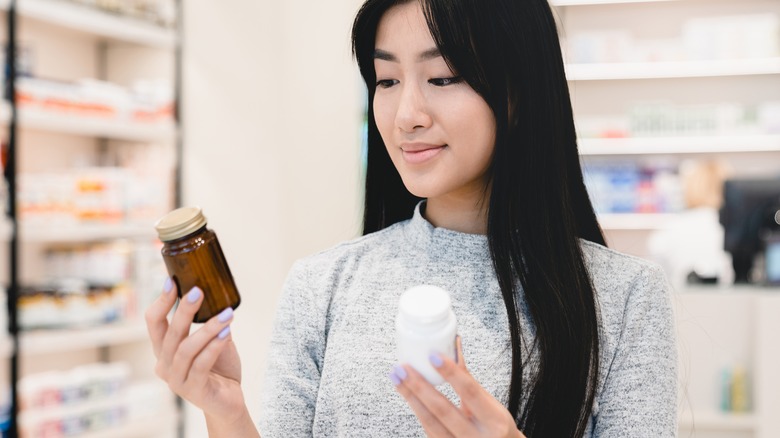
[(508, 52)]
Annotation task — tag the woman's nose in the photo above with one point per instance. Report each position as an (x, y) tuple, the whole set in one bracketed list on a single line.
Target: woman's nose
[(413, 110)]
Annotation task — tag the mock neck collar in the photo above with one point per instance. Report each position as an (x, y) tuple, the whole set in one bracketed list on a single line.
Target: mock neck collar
[(443, 241)]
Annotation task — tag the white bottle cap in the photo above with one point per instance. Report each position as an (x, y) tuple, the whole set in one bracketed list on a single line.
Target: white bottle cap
[(425, 307)]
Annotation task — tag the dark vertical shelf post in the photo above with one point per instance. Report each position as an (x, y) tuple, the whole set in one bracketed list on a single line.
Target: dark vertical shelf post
[(10, 175), (177, 177)]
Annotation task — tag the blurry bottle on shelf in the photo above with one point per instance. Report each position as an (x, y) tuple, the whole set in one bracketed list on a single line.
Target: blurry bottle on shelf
[(629, 187), (158, 12), (752, 36), (646, 119), (739, 390)]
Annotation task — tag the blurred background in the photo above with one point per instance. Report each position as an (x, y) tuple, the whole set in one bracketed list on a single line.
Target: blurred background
[(117, 111)]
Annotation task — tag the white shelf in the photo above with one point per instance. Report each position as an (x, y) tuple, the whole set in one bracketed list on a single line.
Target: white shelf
[(95, 22), (682, 69), (635, 221), (84, 233), (679, 145), (42, 120), (54, 341), (720, 421), (95, 127), (600, 2)]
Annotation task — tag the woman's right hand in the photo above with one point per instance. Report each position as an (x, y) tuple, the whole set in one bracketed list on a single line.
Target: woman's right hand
[(202, 367)]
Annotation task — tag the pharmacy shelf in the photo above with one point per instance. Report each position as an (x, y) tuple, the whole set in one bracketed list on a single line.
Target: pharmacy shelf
[(635, 221), (93, 21), (51, 121), (83, 233), (95, 127), (682, 69), (601, 2), (680, 145), (37, 342), (718, 421)]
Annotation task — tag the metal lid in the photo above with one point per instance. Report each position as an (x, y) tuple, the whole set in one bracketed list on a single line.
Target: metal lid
[(179, 223)]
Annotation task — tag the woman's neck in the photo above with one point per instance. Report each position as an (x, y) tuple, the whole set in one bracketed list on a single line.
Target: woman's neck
[(458, 214)]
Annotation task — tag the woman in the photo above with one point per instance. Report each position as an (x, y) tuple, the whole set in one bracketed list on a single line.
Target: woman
[(469, 111)]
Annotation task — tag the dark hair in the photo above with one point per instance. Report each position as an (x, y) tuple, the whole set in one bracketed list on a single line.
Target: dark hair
[(508, 52)]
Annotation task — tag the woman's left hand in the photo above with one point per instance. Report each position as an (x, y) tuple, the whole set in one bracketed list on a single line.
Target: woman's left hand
[(479, 415)]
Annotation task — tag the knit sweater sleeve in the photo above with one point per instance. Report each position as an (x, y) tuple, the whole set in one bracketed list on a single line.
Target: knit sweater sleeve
[(295, 358), (639, 397)]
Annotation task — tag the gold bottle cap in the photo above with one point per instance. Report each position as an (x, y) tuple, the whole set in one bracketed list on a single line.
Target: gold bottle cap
[(179, 223)]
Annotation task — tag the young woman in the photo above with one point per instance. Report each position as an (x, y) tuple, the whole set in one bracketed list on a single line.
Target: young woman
[(473, 185)]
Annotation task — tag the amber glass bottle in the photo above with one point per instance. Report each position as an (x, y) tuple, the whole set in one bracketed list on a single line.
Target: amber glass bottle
[(194, 258)]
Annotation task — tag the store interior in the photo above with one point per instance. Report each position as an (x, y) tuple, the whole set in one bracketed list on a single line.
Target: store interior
[(117, 112)]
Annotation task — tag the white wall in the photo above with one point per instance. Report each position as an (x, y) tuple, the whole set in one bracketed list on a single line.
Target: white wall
[(272, 111)]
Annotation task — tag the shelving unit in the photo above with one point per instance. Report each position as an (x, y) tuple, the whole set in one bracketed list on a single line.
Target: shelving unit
[(84, 233), (635, 221), (73, 339), (720, 421), (713, 324), (682, 69), (117, 50), (95, 22), (735, 144)]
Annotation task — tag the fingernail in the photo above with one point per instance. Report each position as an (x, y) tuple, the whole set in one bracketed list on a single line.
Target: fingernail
[(223, 334), (193, 295), (436, 360), (400, 372), (225, 315), (395, 379), (168, 286)]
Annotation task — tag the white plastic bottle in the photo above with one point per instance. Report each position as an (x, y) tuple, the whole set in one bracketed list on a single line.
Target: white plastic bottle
[(425, 325)]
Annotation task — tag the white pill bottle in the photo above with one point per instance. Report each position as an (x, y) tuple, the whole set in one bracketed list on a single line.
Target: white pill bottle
[(425, 325)]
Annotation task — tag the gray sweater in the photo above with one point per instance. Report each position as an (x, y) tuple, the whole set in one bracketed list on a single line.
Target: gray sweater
[(333, 339)]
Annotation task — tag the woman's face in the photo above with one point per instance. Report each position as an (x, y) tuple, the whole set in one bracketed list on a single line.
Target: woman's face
[(438, 131)]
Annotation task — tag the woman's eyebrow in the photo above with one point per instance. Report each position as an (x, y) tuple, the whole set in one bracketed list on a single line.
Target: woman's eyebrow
[(424, 56)]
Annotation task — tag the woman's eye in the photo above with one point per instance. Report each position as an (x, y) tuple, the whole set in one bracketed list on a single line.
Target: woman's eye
[(386, 83), (442, 82)]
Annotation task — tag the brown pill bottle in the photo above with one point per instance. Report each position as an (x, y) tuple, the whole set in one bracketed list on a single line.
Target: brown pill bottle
[(194, 258)]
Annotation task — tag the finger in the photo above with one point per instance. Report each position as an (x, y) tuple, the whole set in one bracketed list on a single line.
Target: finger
[(156, 315), (192, 346), (430, 424), (204, 362), (179, 327), (480, 403), (436, 403)]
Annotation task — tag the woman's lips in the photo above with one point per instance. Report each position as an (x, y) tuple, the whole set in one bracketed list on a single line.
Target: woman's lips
[(421, 155)]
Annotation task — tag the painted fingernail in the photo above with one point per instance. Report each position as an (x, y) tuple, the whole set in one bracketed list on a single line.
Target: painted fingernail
[(225, 315), (168, 286), (223, 334), (193, 295), (436, 360), (400, 372), (395, 379)]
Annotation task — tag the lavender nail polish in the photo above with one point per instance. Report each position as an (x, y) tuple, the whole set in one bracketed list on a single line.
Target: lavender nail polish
[(400, 372), (168, 286), (395, 379), (225, 315), (436, 360), (194, 294), (224, 333)]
